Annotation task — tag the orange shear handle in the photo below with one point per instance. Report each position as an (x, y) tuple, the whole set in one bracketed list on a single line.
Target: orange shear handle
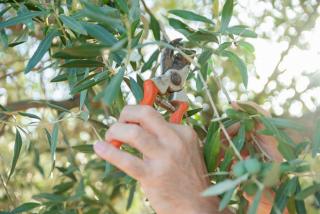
[(149, 97), (177, 116)]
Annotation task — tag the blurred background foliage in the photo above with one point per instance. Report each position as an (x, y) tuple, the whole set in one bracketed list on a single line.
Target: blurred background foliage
[(55, 105)]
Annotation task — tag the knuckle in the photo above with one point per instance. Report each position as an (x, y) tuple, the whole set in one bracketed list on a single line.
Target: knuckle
[(111, 131), (125, 111), (148, 111), (189, 134), (177, 143)]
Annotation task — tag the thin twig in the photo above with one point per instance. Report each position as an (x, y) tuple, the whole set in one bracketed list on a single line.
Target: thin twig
[(260, 148), (216, 113), (7, 191), (224, 90), (95, 131)]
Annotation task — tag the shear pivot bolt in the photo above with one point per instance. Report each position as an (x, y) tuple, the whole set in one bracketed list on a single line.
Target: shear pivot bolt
[(175, 78)]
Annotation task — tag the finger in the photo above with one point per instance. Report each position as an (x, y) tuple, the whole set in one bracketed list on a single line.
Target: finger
[(131, 165), (186, 133), (135, 136), (147, 117)]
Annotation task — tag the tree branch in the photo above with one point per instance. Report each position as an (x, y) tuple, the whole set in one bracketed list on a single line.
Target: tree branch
[(26, 104)]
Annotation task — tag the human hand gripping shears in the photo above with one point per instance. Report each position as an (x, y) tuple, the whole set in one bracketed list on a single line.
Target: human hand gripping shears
[(175, 70)]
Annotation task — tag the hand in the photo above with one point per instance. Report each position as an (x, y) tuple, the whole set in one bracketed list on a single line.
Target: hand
[(172, 171)]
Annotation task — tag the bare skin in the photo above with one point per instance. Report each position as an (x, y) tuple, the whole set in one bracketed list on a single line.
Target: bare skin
[(172, 171)]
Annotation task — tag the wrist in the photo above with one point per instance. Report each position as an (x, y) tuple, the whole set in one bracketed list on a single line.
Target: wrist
[(202, 205)]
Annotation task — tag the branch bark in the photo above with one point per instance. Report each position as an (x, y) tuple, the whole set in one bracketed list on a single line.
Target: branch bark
[(26, 104)]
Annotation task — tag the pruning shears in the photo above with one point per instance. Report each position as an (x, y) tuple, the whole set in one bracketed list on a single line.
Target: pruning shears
[(175, 69)]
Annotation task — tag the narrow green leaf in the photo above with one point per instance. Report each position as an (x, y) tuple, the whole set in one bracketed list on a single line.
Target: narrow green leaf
[(54, 142), (155, 27), (287, 123), (16, 153), (79, 52), (193, 111), (204, 71), (236, 115), (60, 78), (48, 136), (286, 151), (224, 45), (239, 139), (131, 196), (224, 186), (226, 14), (79, 192), (25, 207), (226, 199), (228, 156), (83, 96), (239, 63), (29, 115), (286, 189), (180, 27), (13, 44), (136, 90), (28, 22), (84, 115), (85, 148), (205, 56), (104, 15), (189, 15), (41, 50), (123, 6), (100, 33), (52, 198), (4, 39), (2, 12), (36, 161), (113, 88), (246, 46), (63, 187), (153, 58), (299, 204), (316, 139), (247, 108), (134, 12), (3, 108), (254, 206), (82, 64), (88, 83), (308, 191), (203, 36), (212, 149), (199, 83), (60, 108), (241, 31), (73, 24), (21, 18)]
